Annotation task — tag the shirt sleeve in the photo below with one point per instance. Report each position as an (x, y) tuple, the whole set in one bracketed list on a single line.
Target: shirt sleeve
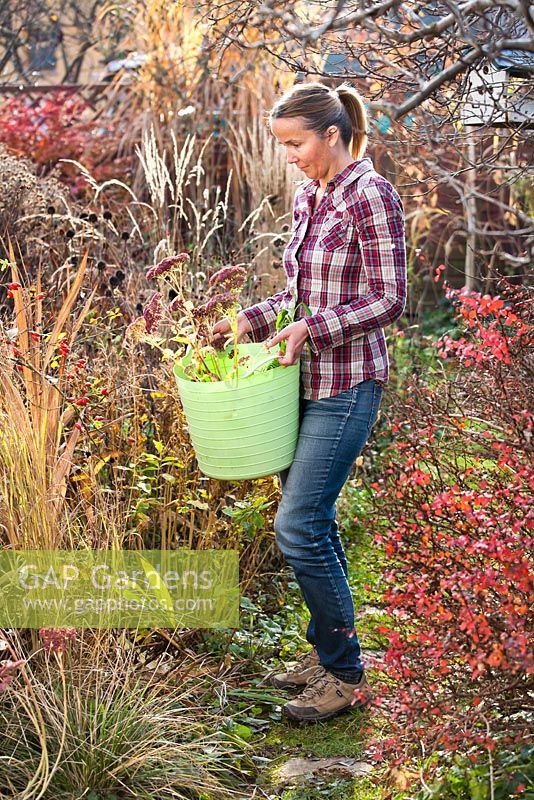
[(262, 316), (379, 218)]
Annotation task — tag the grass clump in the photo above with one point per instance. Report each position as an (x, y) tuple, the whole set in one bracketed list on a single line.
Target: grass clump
[(93, 722)]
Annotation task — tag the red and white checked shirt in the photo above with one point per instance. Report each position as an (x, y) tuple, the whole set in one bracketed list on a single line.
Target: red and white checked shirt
[(347, 262)]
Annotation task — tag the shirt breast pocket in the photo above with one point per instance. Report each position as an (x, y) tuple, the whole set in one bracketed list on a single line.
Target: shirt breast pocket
[(336, 233)]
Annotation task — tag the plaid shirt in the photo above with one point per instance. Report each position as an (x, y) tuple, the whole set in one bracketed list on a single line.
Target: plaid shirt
[(347, 262)]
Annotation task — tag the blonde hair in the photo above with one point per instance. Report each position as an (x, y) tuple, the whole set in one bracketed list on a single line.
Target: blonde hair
[(322, 107)]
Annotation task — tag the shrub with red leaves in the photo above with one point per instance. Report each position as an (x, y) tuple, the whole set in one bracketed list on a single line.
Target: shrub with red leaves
[(44, 130), (60, 127), (455, 504)]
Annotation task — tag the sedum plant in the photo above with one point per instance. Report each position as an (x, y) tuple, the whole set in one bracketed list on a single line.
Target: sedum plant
[(183, 323)]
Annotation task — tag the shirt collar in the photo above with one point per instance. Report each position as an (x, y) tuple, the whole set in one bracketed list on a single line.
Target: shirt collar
[(350, 174)]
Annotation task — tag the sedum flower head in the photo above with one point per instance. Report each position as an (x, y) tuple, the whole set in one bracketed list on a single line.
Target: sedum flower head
[(153, 312), (178, 304), (166, 265), (219, 302), (229, 278), (56, 638)]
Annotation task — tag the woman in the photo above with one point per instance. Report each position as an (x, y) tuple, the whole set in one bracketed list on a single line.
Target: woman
[(346, 261)]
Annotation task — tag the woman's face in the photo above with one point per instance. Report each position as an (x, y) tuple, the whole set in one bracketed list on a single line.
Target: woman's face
[(311, 153)]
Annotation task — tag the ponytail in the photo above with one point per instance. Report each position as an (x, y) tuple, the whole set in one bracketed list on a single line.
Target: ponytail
[(355, 108)]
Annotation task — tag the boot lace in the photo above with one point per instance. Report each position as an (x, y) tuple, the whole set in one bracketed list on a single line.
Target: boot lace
[(305, 661), (317, 684)]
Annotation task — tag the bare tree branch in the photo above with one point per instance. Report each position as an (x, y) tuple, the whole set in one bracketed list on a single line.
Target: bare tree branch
[(402, 45)]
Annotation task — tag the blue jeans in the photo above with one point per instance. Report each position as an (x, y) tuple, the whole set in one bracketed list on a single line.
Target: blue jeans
[(332, 433)]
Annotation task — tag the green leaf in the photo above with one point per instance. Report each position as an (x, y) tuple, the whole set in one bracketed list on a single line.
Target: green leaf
[(230, 512), (306, 308), (243, 731), (283, 319)]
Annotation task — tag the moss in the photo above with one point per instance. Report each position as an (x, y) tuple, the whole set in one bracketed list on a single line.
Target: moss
[(342, 736)]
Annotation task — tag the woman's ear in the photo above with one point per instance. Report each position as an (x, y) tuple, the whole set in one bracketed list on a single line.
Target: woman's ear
[(333, 135)]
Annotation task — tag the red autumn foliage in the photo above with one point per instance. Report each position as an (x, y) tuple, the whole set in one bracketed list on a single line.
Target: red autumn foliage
[(455, 504), (61, 127)]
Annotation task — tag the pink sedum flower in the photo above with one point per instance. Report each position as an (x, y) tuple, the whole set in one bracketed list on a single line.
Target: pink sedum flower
[(56, 638), (229, 278), (166, 265), (177, 304), (153, 313), (219, 302)]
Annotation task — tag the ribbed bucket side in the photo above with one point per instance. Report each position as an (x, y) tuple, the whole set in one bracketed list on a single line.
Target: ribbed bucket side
[(247, 430)]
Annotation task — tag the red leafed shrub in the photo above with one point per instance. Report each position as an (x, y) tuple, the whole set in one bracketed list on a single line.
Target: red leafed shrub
[(46, 130), (456, 511), (60, 127)]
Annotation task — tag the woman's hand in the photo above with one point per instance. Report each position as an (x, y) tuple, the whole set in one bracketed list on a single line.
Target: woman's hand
[(294, 336), (222, 330)]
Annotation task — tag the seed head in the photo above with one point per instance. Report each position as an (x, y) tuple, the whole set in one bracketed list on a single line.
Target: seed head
[(136, 330)]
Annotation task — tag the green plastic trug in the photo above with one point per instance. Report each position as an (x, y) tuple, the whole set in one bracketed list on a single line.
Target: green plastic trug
[(246, 427)]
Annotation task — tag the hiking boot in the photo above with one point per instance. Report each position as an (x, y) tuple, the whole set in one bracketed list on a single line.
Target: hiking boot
[(300, 674), (326, 696)]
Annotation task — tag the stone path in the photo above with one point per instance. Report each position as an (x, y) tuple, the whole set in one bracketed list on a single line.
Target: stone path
[(300, 769)]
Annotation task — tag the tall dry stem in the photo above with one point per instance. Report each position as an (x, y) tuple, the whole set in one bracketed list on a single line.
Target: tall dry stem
[(264, 177), (189, 210), (37, 437)]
